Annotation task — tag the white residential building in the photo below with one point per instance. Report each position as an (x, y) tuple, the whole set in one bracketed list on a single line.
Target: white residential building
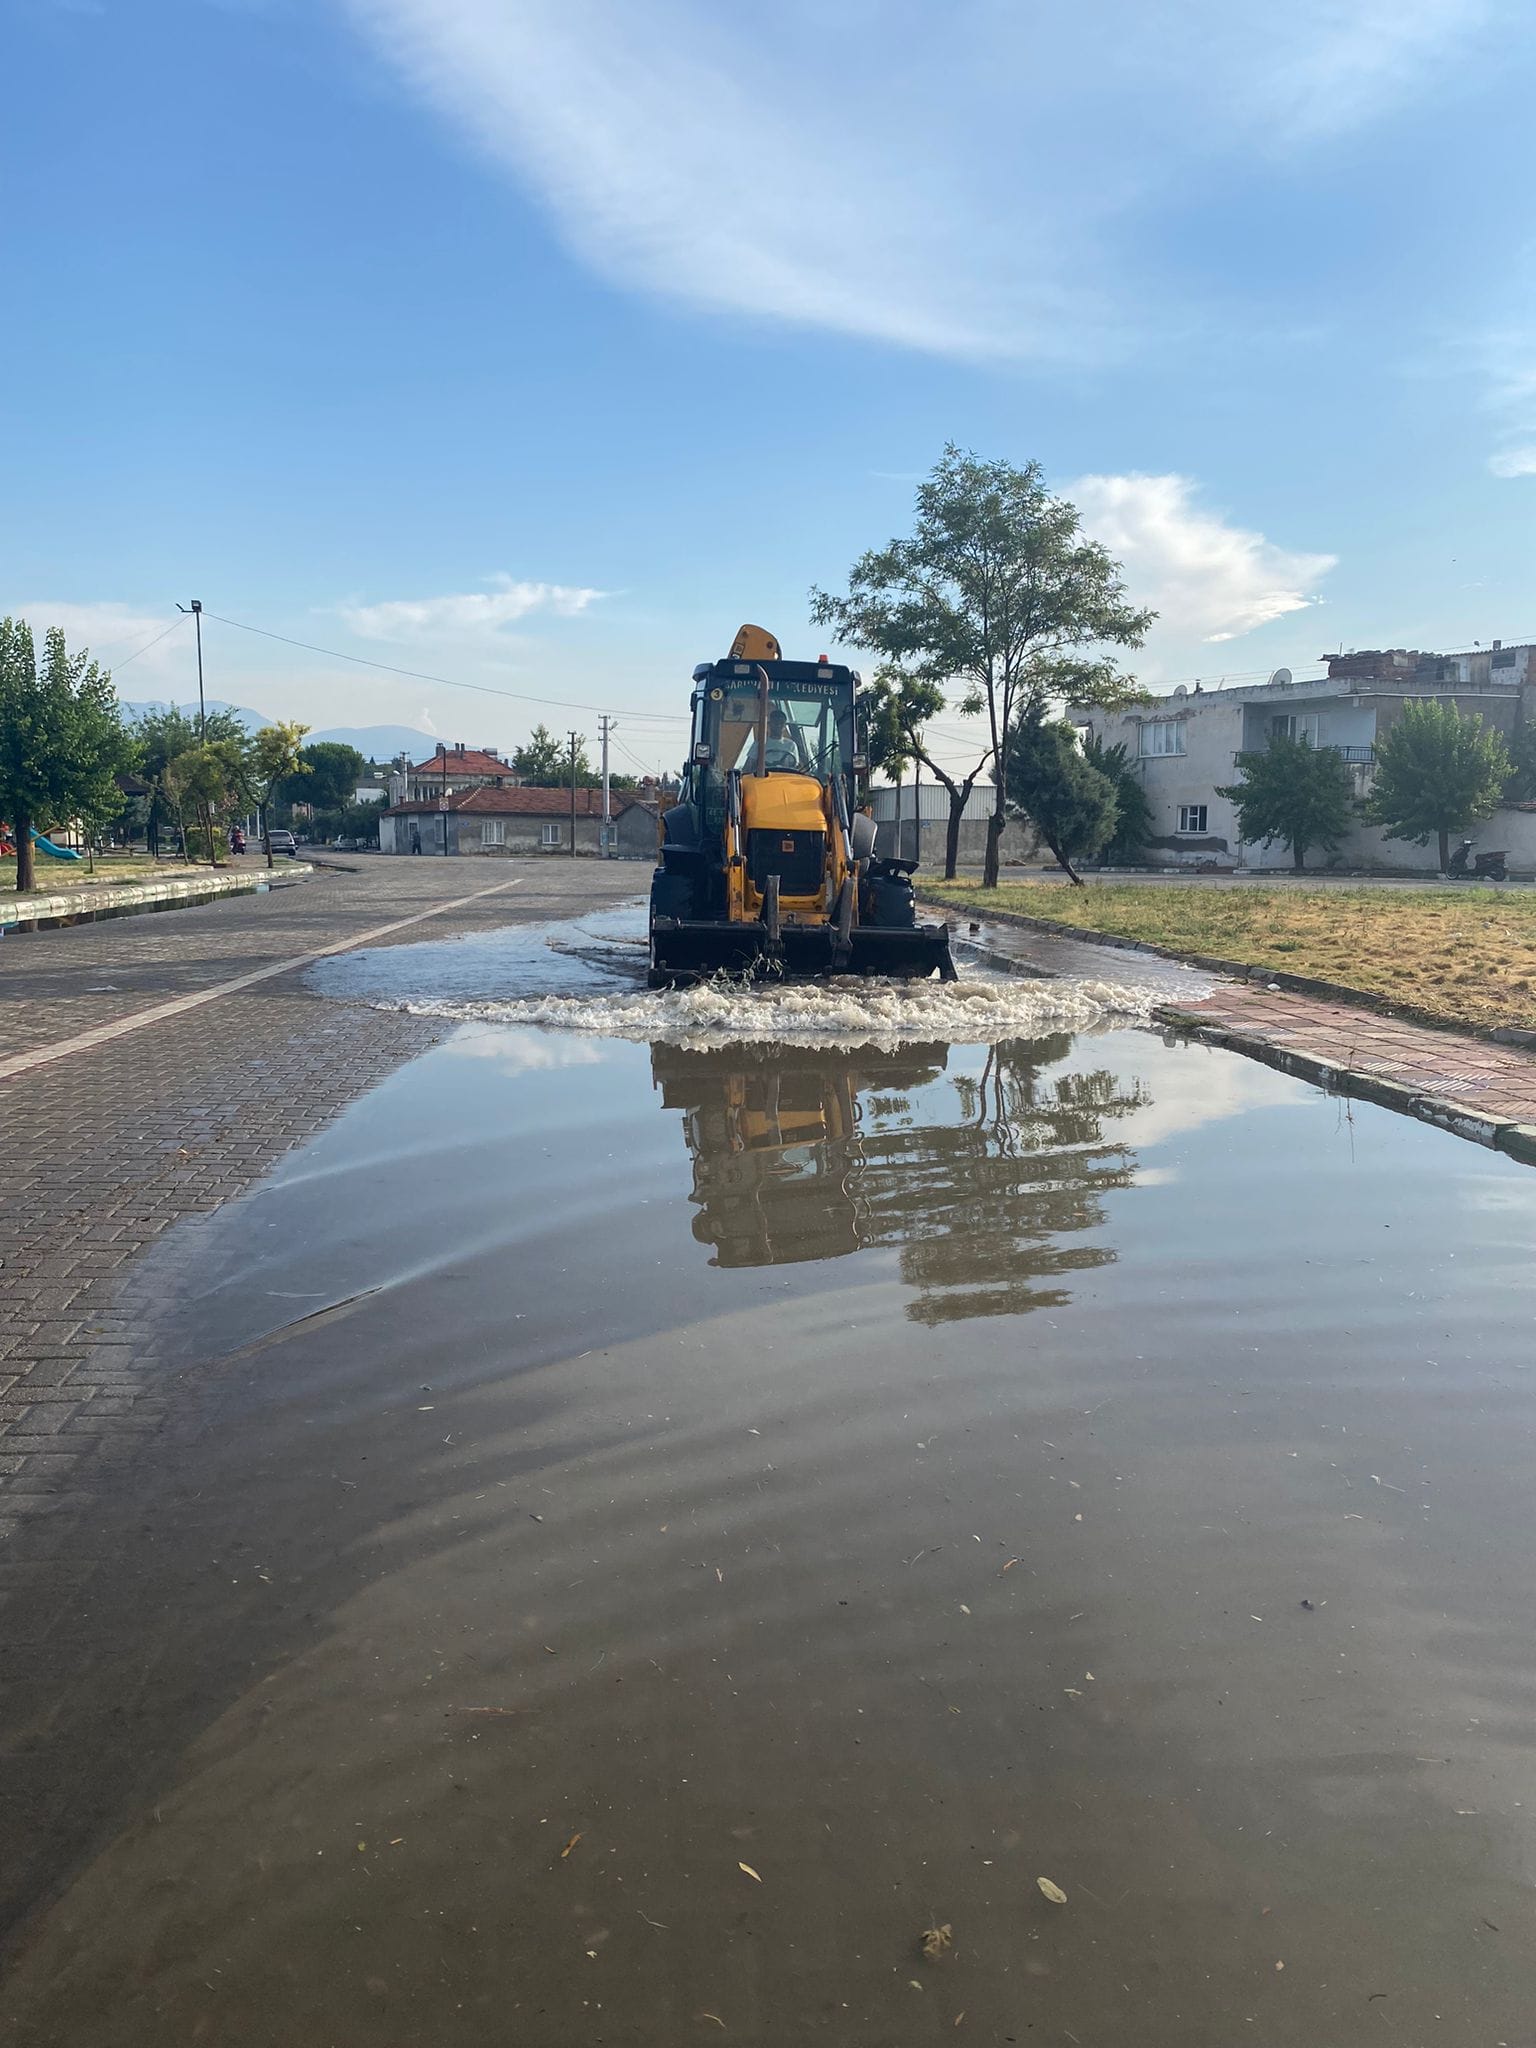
[(1185, 745)]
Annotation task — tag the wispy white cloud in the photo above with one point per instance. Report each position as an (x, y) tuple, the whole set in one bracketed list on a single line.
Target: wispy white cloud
[(467, 612), (121, 637), (1208, 580), (1514, 461), (952, 179)]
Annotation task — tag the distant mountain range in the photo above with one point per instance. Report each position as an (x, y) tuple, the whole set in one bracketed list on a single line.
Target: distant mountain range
[(381, 742), (373, 742)]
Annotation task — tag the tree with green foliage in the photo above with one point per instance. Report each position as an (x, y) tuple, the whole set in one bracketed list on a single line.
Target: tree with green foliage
[(1521, 787), (544, 761), (893, 712), (159, 736), (1438, 770), (213, 780), (275, 755), (996, 592), (1292, 791), (1069, 802), (352, 821), (1133, 812), (62, 739), (326, 775)]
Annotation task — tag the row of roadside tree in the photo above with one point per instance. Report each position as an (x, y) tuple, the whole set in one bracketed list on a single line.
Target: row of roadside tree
[(66, 752), (997, 606)]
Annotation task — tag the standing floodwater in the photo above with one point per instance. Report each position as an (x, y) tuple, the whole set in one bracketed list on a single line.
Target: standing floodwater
[(679, 1523)]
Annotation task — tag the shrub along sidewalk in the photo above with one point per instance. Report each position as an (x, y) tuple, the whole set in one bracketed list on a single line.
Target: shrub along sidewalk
[(1455, 955)]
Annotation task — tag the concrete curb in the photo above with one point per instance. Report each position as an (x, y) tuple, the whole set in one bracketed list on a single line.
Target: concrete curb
[(1241, 970), (1498, 1134), (88, 905)]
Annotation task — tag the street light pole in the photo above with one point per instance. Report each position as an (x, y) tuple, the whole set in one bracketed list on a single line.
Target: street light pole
[(442, 792), (573, 795), (196, 609)]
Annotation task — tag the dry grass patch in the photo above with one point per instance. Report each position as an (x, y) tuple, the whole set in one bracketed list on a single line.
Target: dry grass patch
[(1465, 955)]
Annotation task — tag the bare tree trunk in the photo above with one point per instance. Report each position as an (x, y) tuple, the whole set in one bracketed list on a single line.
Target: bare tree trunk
[(1445, 851), (26, 858), (959, 795), (952, 832), (1063, 863), (1298, 856), (994, 843), (266, 829)]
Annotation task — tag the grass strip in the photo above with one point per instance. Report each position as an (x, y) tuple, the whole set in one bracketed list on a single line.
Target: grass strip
[(1464, 956)]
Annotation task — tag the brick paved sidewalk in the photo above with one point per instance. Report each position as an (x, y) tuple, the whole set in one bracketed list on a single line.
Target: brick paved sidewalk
[(104, 1148), (1483, 1091)]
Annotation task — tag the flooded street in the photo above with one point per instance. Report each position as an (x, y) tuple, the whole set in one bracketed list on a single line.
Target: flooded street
[(677, 1501)]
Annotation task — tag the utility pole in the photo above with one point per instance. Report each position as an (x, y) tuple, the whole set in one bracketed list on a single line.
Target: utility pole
[(573, 795), (442, 791), (608, 725), (196, 609), (917, 805)]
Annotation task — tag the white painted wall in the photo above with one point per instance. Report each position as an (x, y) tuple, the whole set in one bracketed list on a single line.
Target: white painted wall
[(1513, 831)]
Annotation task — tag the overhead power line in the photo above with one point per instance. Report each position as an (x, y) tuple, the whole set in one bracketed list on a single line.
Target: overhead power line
[(146, 646), (448, 682)]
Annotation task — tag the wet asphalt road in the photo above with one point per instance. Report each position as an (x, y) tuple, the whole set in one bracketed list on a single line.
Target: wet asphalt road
[(649, 1526)]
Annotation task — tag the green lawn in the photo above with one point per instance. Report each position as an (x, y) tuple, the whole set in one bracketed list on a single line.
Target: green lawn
[(1467, 956), (53, 875)]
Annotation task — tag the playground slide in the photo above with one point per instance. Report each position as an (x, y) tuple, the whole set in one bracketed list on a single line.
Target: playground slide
[(53, 852)]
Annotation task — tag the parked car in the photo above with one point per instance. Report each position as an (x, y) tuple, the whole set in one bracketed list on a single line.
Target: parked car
[(283, 842)]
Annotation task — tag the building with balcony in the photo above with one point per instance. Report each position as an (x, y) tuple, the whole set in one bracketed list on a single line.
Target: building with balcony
[(1185, 745)]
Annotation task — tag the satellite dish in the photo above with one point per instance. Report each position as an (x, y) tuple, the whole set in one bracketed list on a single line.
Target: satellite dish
[(1281, 677), (1180, 690)]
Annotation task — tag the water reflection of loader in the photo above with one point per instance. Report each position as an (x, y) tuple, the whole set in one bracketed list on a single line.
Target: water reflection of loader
[(775, 1135), (802, 1154)]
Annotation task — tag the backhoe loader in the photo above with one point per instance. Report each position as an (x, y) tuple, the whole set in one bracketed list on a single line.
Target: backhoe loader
[(767, 864)]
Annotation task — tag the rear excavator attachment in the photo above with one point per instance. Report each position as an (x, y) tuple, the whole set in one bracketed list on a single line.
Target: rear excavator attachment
[(767, 865)]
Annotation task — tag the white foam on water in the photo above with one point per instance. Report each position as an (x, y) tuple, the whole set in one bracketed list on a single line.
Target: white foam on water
[(842, 1011)]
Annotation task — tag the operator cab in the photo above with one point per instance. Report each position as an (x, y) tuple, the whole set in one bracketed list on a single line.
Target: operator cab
[(809, 722)]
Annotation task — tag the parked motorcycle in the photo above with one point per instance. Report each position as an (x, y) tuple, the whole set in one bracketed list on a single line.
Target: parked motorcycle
[(1484, 867)]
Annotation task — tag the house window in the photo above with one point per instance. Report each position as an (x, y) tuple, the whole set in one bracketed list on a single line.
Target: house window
[(1293, 725), (549, 835), (1162, 736), (493, 832), (1192, 817)]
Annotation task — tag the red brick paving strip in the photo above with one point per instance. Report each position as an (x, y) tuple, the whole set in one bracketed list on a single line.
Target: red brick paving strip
[(1483, 1091)]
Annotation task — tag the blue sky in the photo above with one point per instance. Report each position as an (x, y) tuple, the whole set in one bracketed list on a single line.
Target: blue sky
[(540, 342)]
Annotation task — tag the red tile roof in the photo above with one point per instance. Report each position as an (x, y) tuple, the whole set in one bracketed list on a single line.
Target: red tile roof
[(471, 762)]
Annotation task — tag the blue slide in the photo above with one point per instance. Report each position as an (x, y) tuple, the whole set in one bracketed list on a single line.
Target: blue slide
[(54, 852)]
